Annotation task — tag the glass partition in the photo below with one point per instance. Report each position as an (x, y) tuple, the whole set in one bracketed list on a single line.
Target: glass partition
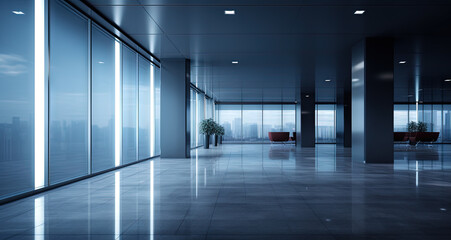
[(144, 108), (68, 94), (16, 98), (103, 100), (130, 105)]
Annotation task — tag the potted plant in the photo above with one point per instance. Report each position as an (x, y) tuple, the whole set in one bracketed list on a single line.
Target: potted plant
[(422, 127), (412, 128), (207, 128), (217, 126), (220, 133)]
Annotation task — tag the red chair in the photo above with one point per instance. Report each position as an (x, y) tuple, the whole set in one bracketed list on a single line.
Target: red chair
[(279, 136)]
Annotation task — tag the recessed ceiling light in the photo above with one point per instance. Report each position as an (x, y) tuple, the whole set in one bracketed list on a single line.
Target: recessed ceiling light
[(327, 80), (101, 62), (235, 62), (229, 12), (307, 96), (355, 79), (18, 12), (447, 80), (402, 62), (359, 12)]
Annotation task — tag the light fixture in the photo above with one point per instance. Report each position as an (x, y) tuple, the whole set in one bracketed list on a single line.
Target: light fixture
[(442, 209), (402, 62), (229, 12), (307, 96), (18, 12), (235, 62), (448, 80), (39, 94), (359, 12), (101, 62), (355, 79), (327, 80)]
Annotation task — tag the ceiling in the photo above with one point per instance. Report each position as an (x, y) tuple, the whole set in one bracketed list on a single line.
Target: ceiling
[(279, 43)]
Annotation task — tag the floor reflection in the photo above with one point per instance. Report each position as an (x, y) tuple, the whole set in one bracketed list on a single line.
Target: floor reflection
[(248, 191)]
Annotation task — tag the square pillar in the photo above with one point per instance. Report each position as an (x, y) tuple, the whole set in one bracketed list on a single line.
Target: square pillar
[(175, 108), (372, 100)]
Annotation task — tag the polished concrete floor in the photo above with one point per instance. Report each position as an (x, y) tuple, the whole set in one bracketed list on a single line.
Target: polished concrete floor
[(249, 192)]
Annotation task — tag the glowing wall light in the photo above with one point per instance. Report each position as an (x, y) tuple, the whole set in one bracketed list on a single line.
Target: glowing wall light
[(117, 104), (39, 94), (152, 111)]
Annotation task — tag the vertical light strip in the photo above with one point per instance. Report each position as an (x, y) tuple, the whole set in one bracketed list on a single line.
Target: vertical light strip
[(197, 172), (39, 220), (39, 94), (197, 118), (152, 111), (117, 204), (151, 201), (117, 104)]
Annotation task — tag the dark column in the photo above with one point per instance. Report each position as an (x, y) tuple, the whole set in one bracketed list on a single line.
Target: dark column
[(343, 114), (175, 108), (307, 106), (372, 100)]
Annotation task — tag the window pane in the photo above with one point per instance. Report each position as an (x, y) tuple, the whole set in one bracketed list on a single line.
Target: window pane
[(193, 117), (103, 99), (68, 95), (289, 118), (325, 123), (446, 123), (400, 118), (413, 113), (230, 119), (252, 123), (129, 105), (144, 108), (272, 119), (437, 121), (200, 116), (157, 110), (16, 98)]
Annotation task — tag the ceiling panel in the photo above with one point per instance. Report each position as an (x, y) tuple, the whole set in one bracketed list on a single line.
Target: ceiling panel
[(280, 43)]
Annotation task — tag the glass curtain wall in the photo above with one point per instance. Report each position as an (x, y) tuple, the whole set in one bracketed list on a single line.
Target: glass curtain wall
[(272, 119), (199, 107), (68, 95), (130, 105), (325, 123), (103, 100), (17, 98), (252, 122), (92, 98), (436, 117), (230, 119)]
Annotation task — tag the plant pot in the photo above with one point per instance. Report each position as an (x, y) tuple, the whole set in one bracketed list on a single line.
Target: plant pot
[(216, 140), (220, 139), (206, 141)]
